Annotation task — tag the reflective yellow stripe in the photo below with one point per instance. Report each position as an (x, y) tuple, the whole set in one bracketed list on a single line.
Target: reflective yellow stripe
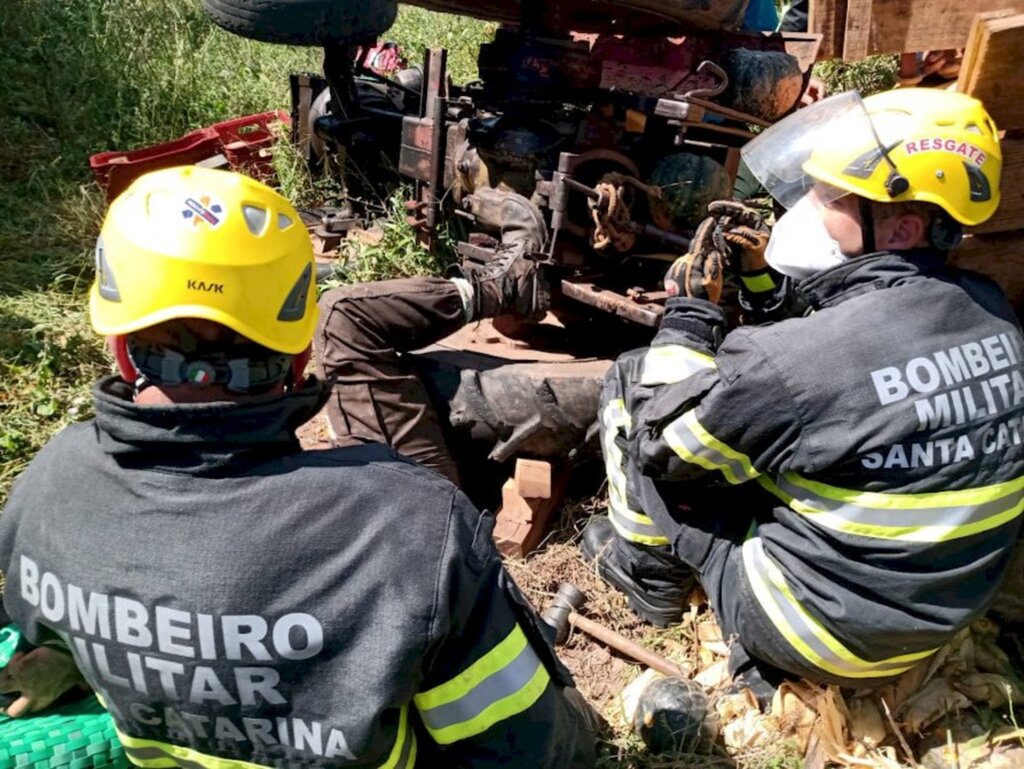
[(759, 284), (162, 755), (803, 632), (636, 527), (506, 681), (692, 443), (672, 363), (633, 526), (925, 517), (403, 754)]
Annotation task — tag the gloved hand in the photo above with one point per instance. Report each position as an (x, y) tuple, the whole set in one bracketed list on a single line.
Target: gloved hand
[(699, 273), (745, 232)]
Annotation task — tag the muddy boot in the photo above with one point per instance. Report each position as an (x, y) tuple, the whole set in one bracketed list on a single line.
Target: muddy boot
[(655, 582), (509, 283)]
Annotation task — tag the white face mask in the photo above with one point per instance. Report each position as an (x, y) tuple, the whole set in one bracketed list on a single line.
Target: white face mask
[(800, 246)]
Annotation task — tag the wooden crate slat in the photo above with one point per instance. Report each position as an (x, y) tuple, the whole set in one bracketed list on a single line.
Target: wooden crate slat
[(895, 26), (828, 18), (991, 69), (1010, 214)]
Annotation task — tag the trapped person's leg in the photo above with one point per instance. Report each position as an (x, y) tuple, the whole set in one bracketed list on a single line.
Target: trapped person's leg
[(377, 396)]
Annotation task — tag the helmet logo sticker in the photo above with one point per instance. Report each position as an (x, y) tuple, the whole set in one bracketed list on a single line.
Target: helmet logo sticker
[(199, 372), (863, 166), (937, 144), (202, 285), (203, 210)]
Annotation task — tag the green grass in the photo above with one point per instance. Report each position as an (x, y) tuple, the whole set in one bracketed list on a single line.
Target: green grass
[(873, 74), (83, 76)]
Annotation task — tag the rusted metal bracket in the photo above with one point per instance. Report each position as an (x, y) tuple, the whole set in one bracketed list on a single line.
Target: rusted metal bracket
[(422, 154), (639, 308)]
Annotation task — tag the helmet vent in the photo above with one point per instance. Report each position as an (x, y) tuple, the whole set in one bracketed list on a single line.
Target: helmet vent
[(981, 190), (284, 222), (973, 128), (104, 276), (255, 218), (294, 307)]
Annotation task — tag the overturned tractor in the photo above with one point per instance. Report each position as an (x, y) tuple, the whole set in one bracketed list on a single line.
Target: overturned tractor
[(593, 141)]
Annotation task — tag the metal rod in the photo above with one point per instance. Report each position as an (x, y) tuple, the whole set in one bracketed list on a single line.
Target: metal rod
[(665, 236), (590, 192), (710, 106)]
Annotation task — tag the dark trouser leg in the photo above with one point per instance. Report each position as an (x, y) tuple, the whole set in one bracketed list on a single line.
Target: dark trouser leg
[(707, 533), (376, 395)]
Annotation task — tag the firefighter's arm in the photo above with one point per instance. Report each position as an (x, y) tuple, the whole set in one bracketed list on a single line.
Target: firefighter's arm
[(493, 692), (730, 425)]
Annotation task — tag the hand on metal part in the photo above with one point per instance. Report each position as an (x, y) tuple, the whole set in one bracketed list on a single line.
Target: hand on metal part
[(40, 677), (744, 230), (699, 274)]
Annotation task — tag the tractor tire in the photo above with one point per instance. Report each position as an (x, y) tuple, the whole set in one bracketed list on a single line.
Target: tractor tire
[(304, 22)]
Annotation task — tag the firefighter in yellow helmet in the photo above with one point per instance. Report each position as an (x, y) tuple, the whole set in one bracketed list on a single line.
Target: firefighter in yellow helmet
[(234, 600), (845, 474)]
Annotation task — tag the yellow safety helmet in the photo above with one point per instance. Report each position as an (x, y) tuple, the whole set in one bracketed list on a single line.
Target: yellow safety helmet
[(912, 144), (193, 242)]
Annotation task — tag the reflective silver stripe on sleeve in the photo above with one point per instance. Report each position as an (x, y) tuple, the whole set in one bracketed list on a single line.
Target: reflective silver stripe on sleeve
[(507, 680), (693, 443), (499, 685), (805, 634)]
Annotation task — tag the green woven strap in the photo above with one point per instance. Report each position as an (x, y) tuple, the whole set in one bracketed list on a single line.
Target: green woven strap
[(79, 735)]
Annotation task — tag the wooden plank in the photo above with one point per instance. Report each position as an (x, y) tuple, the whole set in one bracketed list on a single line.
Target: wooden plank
[(857, 37), (1001, 257), (1010, 214), (991, 68), (895, 26), (828, 18)]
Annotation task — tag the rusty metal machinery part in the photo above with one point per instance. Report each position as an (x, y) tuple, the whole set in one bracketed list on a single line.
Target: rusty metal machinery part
[(564, 148)]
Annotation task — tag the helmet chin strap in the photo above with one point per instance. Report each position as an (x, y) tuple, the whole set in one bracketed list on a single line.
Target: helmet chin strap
[(293, 379), (867, 226), (119, 346)]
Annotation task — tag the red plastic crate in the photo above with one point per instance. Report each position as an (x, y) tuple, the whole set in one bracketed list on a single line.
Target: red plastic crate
[(245, 142), (114, 171), (248, 142)]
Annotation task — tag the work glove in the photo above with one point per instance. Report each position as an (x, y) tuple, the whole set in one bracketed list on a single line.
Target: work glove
[(745, 232), (699, 273)]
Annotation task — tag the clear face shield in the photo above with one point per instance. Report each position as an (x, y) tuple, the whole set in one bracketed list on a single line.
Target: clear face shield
[(777, 156)]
